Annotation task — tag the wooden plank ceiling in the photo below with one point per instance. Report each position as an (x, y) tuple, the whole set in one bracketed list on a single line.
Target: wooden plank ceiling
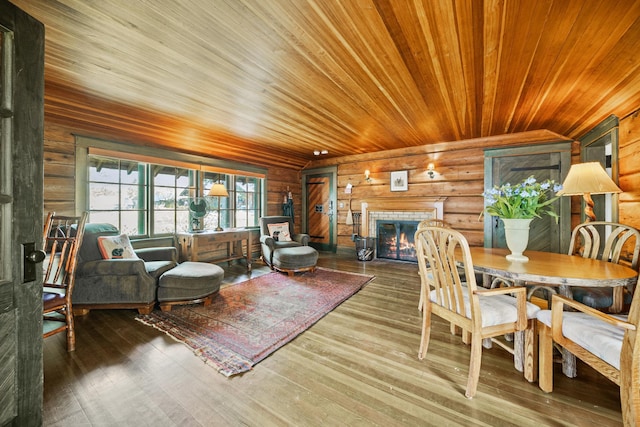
[(270, 81)]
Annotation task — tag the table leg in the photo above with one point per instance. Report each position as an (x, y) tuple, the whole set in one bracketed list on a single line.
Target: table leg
[(568, 359)]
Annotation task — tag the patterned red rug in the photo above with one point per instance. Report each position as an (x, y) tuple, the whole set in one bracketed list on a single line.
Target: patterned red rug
[(249, 321)]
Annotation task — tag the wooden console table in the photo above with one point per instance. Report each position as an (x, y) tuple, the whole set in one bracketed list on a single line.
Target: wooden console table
[(204, 246)]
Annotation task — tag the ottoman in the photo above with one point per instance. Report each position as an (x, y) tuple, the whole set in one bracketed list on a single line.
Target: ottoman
[(189, 283), (295, 259)]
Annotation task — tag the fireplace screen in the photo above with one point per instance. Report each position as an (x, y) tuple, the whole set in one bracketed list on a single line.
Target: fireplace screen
[(396, 239)]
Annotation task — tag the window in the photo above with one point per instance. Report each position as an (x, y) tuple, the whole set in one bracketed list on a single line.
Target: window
[(154, 199), (117, 190)]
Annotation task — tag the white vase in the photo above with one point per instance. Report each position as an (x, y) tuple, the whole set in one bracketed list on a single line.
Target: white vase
[(516, 231)]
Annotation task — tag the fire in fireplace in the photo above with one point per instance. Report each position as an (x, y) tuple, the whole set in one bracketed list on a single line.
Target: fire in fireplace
[(396, 239)]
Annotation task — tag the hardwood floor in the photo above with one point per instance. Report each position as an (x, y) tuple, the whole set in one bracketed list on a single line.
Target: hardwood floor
[(357, 366)]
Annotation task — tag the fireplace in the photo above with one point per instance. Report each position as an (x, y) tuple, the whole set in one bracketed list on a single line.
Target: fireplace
[(396, 239), (401, 212)]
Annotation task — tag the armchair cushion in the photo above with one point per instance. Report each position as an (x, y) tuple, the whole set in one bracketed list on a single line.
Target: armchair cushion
[(162, 253), (116, 247)]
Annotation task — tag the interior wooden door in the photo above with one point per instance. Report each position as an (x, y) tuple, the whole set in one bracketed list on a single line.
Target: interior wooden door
[(320, 211), (21, 216), (515, 165)]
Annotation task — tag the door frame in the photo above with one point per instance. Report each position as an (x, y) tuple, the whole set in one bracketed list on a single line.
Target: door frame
[(564, 214), (21, 205), (332, 172)]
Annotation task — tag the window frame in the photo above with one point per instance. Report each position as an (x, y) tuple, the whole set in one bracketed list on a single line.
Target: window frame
[(149, 157)]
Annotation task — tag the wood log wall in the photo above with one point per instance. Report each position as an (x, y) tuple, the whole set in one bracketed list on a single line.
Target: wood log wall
[(459, 177), (59, 179), (59, 176)]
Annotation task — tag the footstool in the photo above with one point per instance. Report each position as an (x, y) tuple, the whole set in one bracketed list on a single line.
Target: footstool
[(189, 283), (295, 259)]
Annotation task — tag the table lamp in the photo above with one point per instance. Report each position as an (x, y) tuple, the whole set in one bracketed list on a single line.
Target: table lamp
[(221, 191), (586, 179)]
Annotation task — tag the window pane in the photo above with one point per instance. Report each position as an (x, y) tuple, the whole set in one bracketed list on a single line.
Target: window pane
[(130, 172), (132, 197), (103, 196), (130, 224), (103, 169), (182, 218), (164, 198), (164, 222), (164, 175), (106, 217)]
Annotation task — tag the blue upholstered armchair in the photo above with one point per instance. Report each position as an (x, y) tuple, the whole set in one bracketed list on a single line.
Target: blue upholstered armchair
[(118, 283)]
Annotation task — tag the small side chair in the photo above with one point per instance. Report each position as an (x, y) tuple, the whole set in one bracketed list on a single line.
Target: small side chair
[(62, 238)]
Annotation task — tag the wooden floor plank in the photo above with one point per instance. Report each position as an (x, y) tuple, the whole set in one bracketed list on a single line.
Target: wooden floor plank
[(357, 366)]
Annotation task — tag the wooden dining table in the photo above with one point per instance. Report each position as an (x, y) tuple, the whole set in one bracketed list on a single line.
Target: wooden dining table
[(552, 271)]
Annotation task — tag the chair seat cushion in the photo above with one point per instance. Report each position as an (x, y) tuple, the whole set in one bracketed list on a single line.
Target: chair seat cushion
[(496, 309), (295, 257), (189, 280), (596, 336), (51, 300), (158, 268)]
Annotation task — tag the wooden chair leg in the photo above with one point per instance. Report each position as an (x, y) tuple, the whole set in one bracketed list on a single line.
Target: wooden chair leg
[(545, 357), (71, 333), (474, 366), (530, 356), (426, 331)]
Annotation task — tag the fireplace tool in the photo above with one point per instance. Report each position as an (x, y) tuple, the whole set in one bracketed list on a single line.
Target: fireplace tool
[(356, 225)]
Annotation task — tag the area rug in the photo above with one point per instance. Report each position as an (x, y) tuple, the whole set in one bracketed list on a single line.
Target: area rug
[(249, 321)]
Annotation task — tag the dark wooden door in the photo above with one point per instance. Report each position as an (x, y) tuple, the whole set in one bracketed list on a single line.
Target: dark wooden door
[(21, 215), (515, 165), (320, 211)]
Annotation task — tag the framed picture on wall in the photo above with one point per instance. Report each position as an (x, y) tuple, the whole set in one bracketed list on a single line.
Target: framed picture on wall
[(399, 181)]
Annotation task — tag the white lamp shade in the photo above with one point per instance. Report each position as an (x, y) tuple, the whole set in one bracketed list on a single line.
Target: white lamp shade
[(587, 178), (218, 190)]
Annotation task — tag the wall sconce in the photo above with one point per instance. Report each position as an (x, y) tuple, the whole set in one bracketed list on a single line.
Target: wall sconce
[(366, 175), (431, 170)]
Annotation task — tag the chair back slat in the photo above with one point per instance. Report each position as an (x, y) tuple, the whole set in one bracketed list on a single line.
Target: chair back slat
[(62, 239), (622, 242), (438, 252)]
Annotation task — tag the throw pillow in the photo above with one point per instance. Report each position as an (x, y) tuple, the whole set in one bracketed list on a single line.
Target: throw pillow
[(281, 231), (116, 247)]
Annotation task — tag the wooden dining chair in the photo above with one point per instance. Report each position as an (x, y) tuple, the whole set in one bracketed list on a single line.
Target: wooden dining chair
[(431, 222), (605, 342), (484, 313), (62, 237), (608, 241)]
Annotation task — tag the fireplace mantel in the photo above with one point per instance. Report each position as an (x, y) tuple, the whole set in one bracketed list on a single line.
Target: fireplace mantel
[(433, 205)]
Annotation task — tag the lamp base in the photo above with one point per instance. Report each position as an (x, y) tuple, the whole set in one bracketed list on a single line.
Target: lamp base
[(588, 208), (218, 228)]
